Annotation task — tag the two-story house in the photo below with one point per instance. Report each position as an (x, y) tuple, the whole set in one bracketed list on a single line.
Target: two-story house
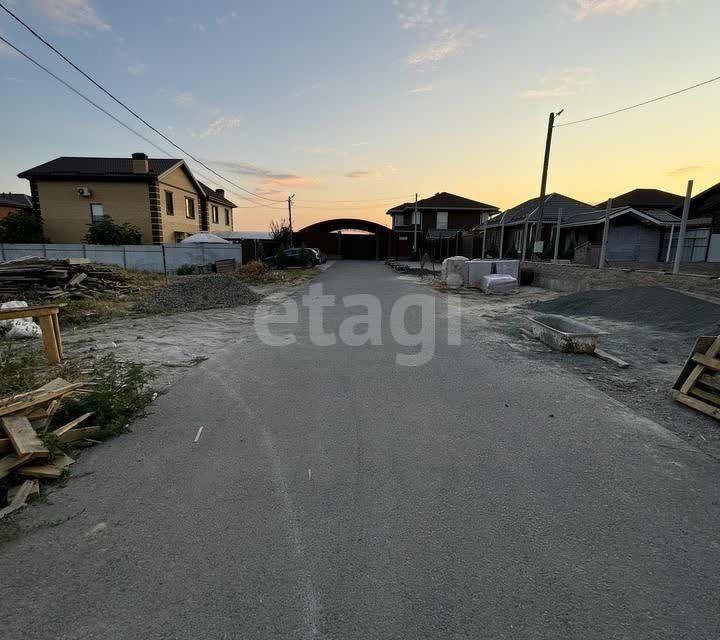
[(160, 196), (443, 211)]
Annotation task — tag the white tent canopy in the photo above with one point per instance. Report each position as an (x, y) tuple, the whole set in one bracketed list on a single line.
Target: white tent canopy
[(204, 238)]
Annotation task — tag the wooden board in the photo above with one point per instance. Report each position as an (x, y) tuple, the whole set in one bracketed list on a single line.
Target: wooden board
[(710, 381), (23, 437), (711, 351), (38, 398), (54, 470), (10, 462), (76, 435), (704, 361), (27, 490), (698, 405), (73, 423)]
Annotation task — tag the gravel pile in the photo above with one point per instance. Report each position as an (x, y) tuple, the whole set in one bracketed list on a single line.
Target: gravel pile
[(194, 293), (657, 307)]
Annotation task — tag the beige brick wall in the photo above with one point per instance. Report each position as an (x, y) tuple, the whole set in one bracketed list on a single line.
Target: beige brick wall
[(220, 224), (66, 215), (178, 183)]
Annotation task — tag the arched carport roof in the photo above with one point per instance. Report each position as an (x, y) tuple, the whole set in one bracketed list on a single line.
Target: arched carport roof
[(337, 224)]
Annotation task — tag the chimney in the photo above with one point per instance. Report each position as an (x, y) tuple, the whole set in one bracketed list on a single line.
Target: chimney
[(220, 192), (139, 163)]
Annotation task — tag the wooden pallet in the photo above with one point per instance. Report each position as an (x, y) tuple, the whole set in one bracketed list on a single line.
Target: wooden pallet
[(698, 385)]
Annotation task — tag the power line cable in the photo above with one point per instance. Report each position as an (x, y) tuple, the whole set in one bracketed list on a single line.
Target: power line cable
[(127, 108), (639, 104), (113, 116)]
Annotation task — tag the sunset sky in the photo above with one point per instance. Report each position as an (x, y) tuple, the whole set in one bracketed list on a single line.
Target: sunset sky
[(368, 102)]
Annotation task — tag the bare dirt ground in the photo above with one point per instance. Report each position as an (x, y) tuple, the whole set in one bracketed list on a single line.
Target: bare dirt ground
[(656, 352), (170, 344)]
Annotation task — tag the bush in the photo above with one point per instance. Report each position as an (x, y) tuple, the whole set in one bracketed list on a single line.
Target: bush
[(184, 270), (121, 394), (106, 231), (253, 268), (22, 226)]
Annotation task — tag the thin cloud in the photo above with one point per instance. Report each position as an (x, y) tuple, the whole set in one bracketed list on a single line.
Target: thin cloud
[(448, 42), (567, 83), (71, 14), (419, 13), (681, 172), (357, 174), (269, 180), (137, 69), (424, 89), (199, 27), (218, 125), (589, 8), (183, 98)]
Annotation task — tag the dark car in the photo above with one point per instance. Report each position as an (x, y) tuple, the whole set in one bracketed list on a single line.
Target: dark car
[(293, 258)]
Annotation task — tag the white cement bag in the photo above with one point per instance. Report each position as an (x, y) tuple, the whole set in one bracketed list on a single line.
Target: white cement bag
[(498, 283), (453, 272), (19, 327), (476, 269)]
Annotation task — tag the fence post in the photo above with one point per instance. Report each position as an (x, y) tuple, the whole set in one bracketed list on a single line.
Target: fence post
[(162, 246), (44, 250), (683, 228), (2, 251), (124, 258), (606, 231)]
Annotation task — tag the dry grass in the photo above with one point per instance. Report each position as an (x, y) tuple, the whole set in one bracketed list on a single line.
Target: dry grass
[(276, 276), (107, 307)]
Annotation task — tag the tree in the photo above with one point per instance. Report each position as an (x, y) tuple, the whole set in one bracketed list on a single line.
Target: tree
[(280, 232), (22, 226), (106, 231)]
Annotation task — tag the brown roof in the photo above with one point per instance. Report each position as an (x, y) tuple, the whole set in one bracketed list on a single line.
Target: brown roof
[(444, 200), (212, 194), (19, 200), (115, 168), (646, 199)]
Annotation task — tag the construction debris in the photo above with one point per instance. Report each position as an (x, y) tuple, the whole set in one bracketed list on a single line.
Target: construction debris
[(23, 451), (36, 278), (698, 385)]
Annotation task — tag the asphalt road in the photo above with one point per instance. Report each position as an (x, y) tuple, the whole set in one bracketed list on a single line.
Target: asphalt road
[(334, 494)]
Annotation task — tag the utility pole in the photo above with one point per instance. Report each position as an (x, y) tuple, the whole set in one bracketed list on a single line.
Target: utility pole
[(557, 236), (502, 234), (290, 218), (415, 221), (683, 228), (543, 181), (605, 233)]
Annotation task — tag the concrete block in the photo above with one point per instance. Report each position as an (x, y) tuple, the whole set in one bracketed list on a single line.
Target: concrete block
[(508, 268), (498, 283)]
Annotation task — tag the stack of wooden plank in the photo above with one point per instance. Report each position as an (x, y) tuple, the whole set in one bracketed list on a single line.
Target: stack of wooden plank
[(35, 278), (25, 420), (698, 385)]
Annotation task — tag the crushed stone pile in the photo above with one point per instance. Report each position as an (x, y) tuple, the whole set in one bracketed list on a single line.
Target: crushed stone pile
[(195, 293), (660, 308)]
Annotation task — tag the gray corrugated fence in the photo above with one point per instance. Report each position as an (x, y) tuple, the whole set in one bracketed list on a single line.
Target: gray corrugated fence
[(143, 257)]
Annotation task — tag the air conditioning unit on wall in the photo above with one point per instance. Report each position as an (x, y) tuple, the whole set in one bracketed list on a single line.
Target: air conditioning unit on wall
[(84, 192)]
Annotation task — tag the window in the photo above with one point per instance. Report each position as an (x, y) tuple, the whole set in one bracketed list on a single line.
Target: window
[(215, 217), (441, 220), (189, 207), (399, 219), (227, 217), (96, 212), (169, 203)]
